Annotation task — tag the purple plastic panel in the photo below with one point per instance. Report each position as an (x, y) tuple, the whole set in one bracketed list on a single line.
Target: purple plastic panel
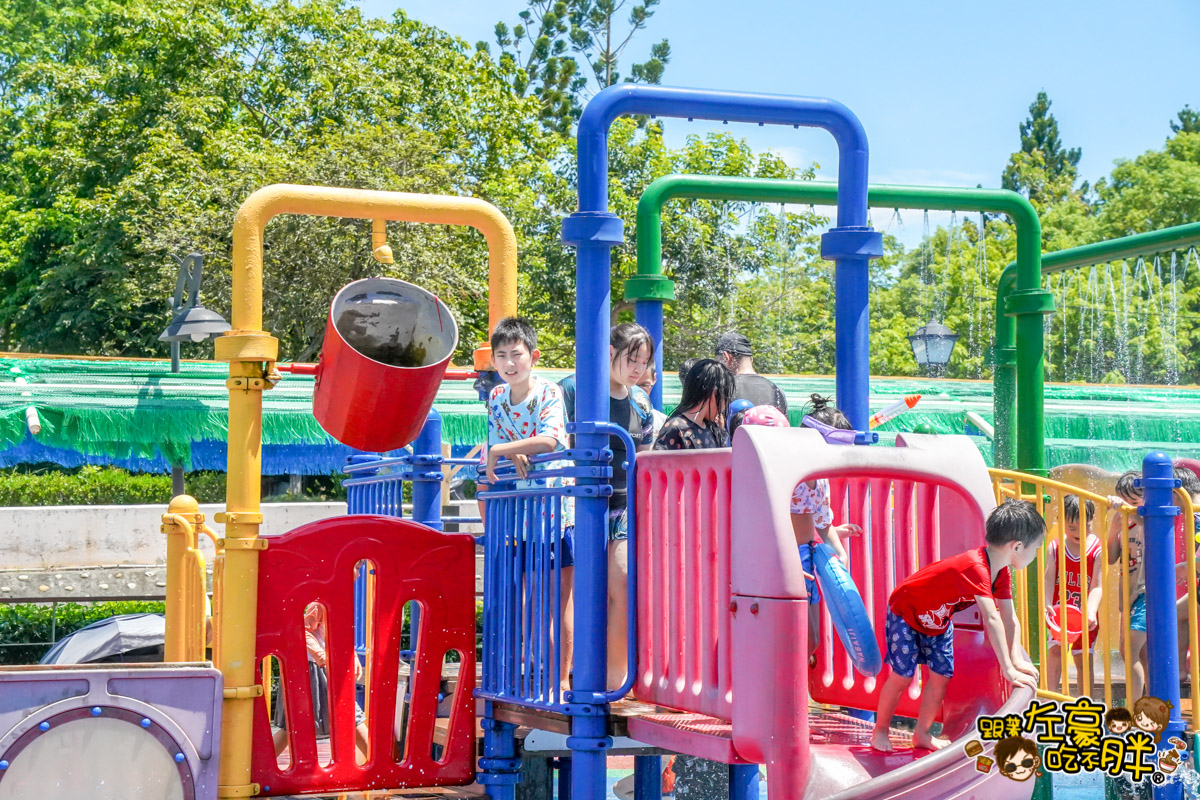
[(171, 712)]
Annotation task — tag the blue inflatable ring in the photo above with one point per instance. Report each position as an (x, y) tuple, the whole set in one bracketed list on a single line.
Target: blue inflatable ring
[(846, 609)]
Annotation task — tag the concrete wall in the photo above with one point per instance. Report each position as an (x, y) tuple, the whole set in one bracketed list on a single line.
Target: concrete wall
[(48, 537)]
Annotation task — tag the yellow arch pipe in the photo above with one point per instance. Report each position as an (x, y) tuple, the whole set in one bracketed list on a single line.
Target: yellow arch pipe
[(251, 353), (320, 201)]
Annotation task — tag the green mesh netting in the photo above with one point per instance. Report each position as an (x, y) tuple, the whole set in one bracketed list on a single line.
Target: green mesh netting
[(140, 408)]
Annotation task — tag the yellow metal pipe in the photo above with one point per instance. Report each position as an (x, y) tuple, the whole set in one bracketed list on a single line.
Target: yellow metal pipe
[(183, 514), (251, 353), (282, 198)]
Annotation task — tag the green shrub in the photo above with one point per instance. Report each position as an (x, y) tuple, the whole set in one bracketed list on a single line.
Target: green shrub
[(28, 630), (88, 486)]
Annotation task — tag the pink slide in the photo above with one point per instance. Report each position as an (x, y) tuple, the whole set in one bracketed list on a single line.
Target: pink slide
[(723, 611)]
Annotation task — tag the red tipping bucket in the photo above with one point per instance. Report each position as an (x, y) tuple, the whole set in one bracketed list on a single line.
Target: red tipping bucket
[(1074, 623), (387, 346)]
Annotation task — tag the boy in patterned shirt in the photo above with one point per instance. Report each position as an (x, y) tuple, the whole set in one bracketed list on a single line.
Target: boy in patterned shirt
[(920, 628), (526, 417)]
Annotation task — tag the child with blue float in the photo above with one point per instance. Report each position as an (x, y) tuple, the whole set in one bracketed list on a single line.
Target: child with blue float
[(812, 515)]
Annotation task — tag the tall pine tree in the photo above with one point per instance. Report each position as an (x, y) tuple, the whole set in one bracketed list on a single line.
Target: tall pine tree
[(1039, 134)]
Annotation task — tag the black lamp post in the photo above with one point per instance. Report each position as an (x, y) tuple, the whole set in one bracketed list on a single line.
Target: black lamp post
[(190, 322), (931, 345)]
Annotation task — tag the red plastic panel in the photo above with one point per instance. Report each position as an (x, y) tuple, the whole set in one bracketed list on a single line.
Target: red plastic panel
[(683, 581), (315, 564)]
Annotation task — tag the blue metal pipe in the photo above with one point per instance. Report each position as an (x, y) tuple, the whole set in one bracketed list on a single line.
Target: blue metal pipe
[(771, 109), (427, 492), (850, 245), (743, 782), (594, 231), (647, 778), (1159, 510), (649, 314)]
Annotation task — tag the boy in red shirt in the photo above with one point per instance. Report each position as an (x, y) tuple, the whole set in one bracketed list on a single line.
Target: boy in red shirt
[(920, 629)]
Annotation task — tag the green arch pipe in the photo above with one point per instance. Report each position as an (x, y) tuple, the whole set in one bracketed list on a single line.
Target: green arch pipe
[(1009, 346), (650, 283)]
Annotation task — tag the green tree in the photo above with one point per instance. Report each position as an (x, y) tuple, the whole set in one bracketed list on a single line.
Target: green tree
[(543, 51), (134, 130), (1189, 121), (1039, 134)]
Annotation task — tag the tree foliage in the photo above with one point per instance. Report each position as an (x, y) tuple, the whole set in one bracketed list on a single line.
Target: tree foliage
[(131, 131), (1189, 121), (1039, 137), (560, 49)]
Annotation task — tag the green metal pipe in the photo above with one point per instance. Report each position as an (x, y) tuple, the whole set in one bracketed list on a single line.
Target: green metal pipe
[(651, 284), (1008, 347)]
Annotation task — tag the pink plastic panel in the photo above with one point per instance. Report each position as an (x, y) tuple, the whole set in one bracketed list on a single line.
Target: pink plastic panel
[(683, 581), (923, 500)]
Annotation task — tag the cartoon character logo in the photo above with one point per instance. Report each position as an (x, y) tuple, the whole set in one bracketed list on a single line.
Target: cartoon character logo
[(1168, 761), (1018, 758), (1152, 715), (935, 618), (1119, 720)]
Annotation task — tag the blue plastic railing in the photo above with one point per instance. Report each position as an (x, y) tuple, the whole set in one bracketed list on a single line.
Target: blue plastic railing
[(522, 584)]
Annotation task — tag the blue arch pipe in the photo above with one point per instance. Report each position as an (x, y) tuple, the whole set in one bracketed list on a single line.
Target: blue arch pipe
[(593, 231), (850, 245)]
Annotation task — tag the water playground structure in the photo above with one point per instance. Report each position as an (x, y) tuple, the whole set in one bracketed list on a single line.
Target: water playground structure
[(717, 604)]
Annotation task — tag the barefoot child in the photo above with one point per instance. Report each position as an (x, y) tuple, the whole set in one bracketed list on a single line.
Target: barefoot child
[(920, 629), (1075, 580)]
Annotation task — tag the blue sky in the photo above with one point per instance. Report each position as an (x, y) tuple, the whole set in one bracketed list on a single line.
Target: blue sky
[(940, 87)]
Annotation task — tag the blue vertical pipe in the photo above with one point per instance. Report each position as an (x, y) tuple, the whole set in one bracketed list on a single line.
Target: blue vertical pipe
[(647, 778), (649, 314), (355, 505), (1159, 510), (743, 782), (427, 491), (594, 231)]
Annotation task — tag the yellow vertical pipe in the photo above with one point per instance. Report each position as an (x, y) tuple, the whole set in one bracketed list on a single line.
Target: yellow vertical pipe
[(251, 353), (182, 514), (239, 585)]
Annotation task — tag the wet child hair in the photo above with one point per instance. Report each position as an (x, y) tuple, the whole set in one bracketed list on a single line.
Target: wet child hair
[(1188, 480), (1071, 508), (512, 330), (823, 410), (1015, 521), (1125, 487), (1009, 747), (707, 378), (1158, 712), (684, 368), (629, 337), (1118, 715)]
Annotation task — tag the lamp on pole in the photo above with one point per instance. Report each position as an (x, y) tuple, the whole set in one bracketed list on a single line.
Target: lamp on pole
[(190, 321), (932, 345)]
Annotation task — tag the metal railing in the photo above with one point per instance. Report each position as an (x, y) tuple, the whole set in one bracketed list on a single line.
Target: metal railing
[(523, 582), (1113, 632)]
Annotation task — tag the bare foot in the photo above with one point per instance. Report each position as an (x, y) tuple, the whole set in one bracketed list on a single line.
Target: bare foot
[(929, 742), (880, 740)]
